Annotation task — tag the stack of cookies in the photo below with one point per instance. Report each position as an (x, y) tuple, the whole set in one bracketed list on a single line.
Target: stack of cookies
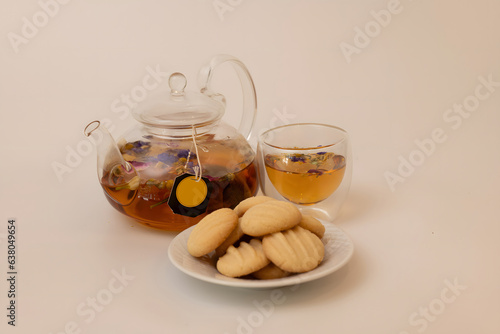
[(261, 237)]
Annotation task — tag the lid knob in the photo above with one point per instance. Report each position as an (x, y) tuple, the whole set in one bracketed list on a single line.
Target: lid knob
[(177, 83)]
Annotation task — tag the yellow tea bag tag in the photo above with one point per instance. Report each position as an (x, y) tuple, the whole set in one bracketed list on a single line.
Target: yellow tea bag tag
[(190, 195)]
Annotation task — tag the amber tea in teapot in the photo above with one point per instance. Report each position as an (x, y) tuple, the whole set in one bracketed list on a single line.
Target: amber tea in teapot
[(182, 161), (150, 193)]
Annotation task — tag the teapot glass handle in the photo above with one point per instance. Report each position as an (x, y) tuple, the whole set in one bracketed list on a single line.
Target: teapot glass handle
[(247, 86)]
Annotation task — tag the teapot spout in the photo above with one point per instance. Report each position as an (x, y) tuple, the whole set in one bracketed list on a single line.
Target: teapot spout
[(118, 178)]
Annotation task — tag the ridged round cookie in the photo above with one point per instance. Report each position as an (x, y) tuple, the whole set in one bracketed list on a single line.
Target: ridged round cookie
[(271, 271), (270, 217), (296, 250), (244, 260), (211, 231), (246, 204), (312, 224), (235, 235)]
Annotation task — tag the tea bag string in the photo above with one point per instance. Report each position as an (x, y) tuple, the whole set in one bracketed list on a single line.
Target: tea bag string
[(197, 169)]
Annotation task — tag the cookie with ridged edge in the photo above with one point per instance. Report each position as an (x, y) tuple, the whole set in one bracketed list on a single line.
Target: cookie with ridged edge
[(295, 250), (211, 231), (271, 271), (270, 217), (312, 224), (235, 235), (243, 260), (249, 202)]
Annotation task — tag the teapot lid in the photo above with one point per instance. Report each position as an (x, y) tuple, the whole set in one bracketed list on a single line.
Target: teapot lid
[(180, 109)]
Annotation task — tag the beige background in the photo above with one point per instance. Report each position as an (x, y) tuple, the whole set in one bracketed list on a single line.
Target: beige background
[(439, 226)]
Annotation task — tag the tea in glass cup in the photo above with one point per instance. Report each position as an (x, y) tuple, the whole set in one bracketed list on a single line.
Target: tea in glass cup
[(308, 164)]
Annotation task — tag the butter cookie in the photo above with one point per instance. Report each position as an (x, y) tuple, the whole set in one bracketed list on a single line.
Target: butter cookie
[(295, 250), (270, 217), (246, 259), (211, 231)]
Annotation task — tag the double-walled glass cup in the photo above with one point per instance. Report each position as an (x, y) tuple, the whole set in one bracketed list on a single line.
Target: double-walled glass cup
[(308, 164)]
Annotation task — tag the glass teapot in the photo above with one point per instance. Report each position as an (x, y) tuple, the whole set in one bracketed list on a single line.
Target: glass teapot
[(182, 161)]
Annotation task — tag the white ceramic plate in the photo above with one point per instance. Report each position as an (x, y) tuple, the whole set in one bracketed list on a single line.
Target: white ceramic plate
[(338, 251)]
